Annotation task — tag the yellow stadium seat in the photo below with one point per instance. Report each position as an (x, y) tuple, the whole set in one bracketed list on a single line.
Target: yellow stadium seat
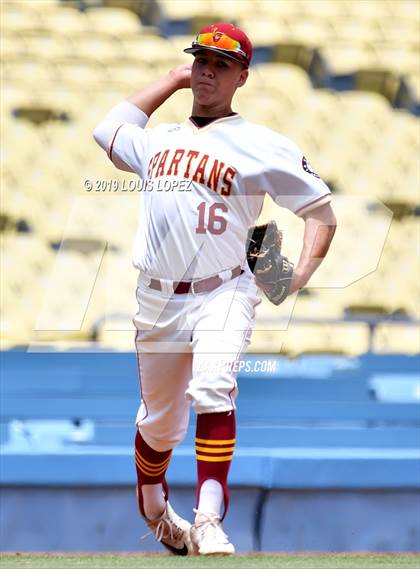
[(23, 70), (28, 254), (343, 59), (178, 44), (115, 21), (231, 8), (314, 33), (368, 11), (79, 72), (12, 46), (355, 31), (16, 325), (287, 81), (281, 10), (48, 45), (44, 6), (127, 76), (121, 282), (413, 80), (263, 29), (14, 95), (280, 75), (182, 9), (345, 338), (398, 33), (153, 49), (405, 9), (369, 108), (119, 340), (19, 17), (320, 303), (396, 338), (70, 293), (267, 341), (406, 127), (99, 48), (398, 59), (322, 10), (69, 20)]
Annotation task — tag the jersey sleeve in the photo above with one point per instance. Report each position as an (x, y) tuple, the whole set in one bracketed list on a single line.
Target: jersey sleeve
[(290, 180), (129, 143)]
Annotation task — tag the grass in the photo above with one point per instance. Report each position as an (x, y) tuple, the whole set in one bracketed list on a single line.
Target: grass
[(281, 561)]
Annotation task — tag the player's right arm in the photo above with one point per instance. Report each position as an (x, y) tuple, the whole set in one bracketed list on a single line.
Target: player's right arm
[(154, 95), (137, 108)]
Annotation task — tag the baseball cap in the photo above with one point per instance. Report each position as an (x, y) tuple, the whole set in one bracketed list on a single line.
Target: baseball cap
[(225, 38)]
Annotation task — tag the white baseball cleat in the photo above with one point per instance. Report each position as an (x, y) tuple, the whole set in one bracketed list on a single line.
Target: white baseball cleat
[(172, 531), (208, 536)]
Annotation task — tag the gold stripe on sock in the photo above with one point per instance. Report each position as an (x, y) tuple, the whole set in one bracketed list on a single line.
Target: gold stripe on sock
[(216, 442), (155, 471), (156, 464), (151, 466), (214, 458), (144, 470), (214, 450)]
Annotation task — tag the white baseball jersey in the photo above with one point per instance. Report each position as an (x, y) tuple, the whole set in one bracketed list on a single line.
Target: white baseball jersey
[(205, 186)]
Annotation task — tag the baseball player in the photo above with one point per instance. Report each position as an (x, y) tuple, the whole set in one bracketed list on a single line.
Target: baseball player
[(196, 292)]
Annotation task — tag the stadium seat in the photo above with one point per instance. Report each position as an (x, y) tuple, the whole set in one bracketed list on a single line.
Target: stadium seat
[(64, 18), (413, 80), (72, 298), (396, 338), (231, 8), (264, 29), (115, 21), (320, 303), (47, 45), (346, 59), (354, 30), (397, 59), (267, 342), (323, 10), (19, 17), (346, 339), (180, 10), (405, 10), (27, 69), (178, 43), (96, 47), (310, 32), (81, 72), (12, 46)]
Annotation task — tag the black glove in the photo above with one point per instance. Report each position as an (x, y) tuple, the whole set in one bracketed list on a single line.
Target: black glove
[(273, 271)]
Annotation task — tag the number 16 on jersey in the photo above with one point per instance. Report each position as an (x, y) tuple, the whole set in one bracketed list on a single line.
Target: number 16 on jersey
[(209, 218)]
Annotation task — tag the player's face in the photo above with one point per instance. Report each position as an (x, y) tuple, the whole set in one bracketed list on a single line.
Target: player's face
[(214, 79)]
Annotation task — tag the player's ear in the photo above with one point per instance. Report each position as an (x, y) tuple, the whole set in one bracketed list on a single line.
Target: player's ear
[(243, 77)]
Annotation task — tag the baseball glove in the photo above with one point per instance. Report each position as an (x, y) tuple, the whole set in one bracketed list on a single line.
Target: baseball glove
[(273, 271)]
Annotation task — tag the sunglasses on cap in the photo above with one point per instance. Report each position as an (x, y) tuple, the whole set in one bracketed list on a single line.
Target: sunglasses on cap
[(218, 40)]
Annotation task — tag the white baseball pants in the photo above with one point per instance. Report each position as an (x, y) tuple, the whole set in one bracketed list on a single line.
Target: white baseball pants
[(188, 346)]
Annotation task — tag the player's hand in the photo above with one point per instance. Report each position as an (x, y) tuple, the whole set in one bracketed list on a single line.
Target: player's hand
[(181, 76)]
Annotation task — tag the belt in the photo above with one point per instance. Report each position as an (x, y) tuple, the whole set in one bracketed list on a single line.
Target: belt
[(194, 287)]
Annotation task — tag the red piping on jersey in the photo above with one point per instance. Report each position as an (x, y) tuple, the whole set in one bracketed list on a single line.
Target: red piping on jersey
[(311, 203), (112, 143), (139, 374)]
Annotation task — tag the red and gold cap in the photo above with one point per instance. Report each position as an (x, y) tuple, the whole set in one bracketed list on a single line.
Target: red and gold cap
[(225, 38)]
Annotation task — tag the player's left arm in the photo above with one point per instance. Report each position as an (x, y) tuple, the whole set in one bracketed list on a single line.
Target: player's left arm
[(320, 226)]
